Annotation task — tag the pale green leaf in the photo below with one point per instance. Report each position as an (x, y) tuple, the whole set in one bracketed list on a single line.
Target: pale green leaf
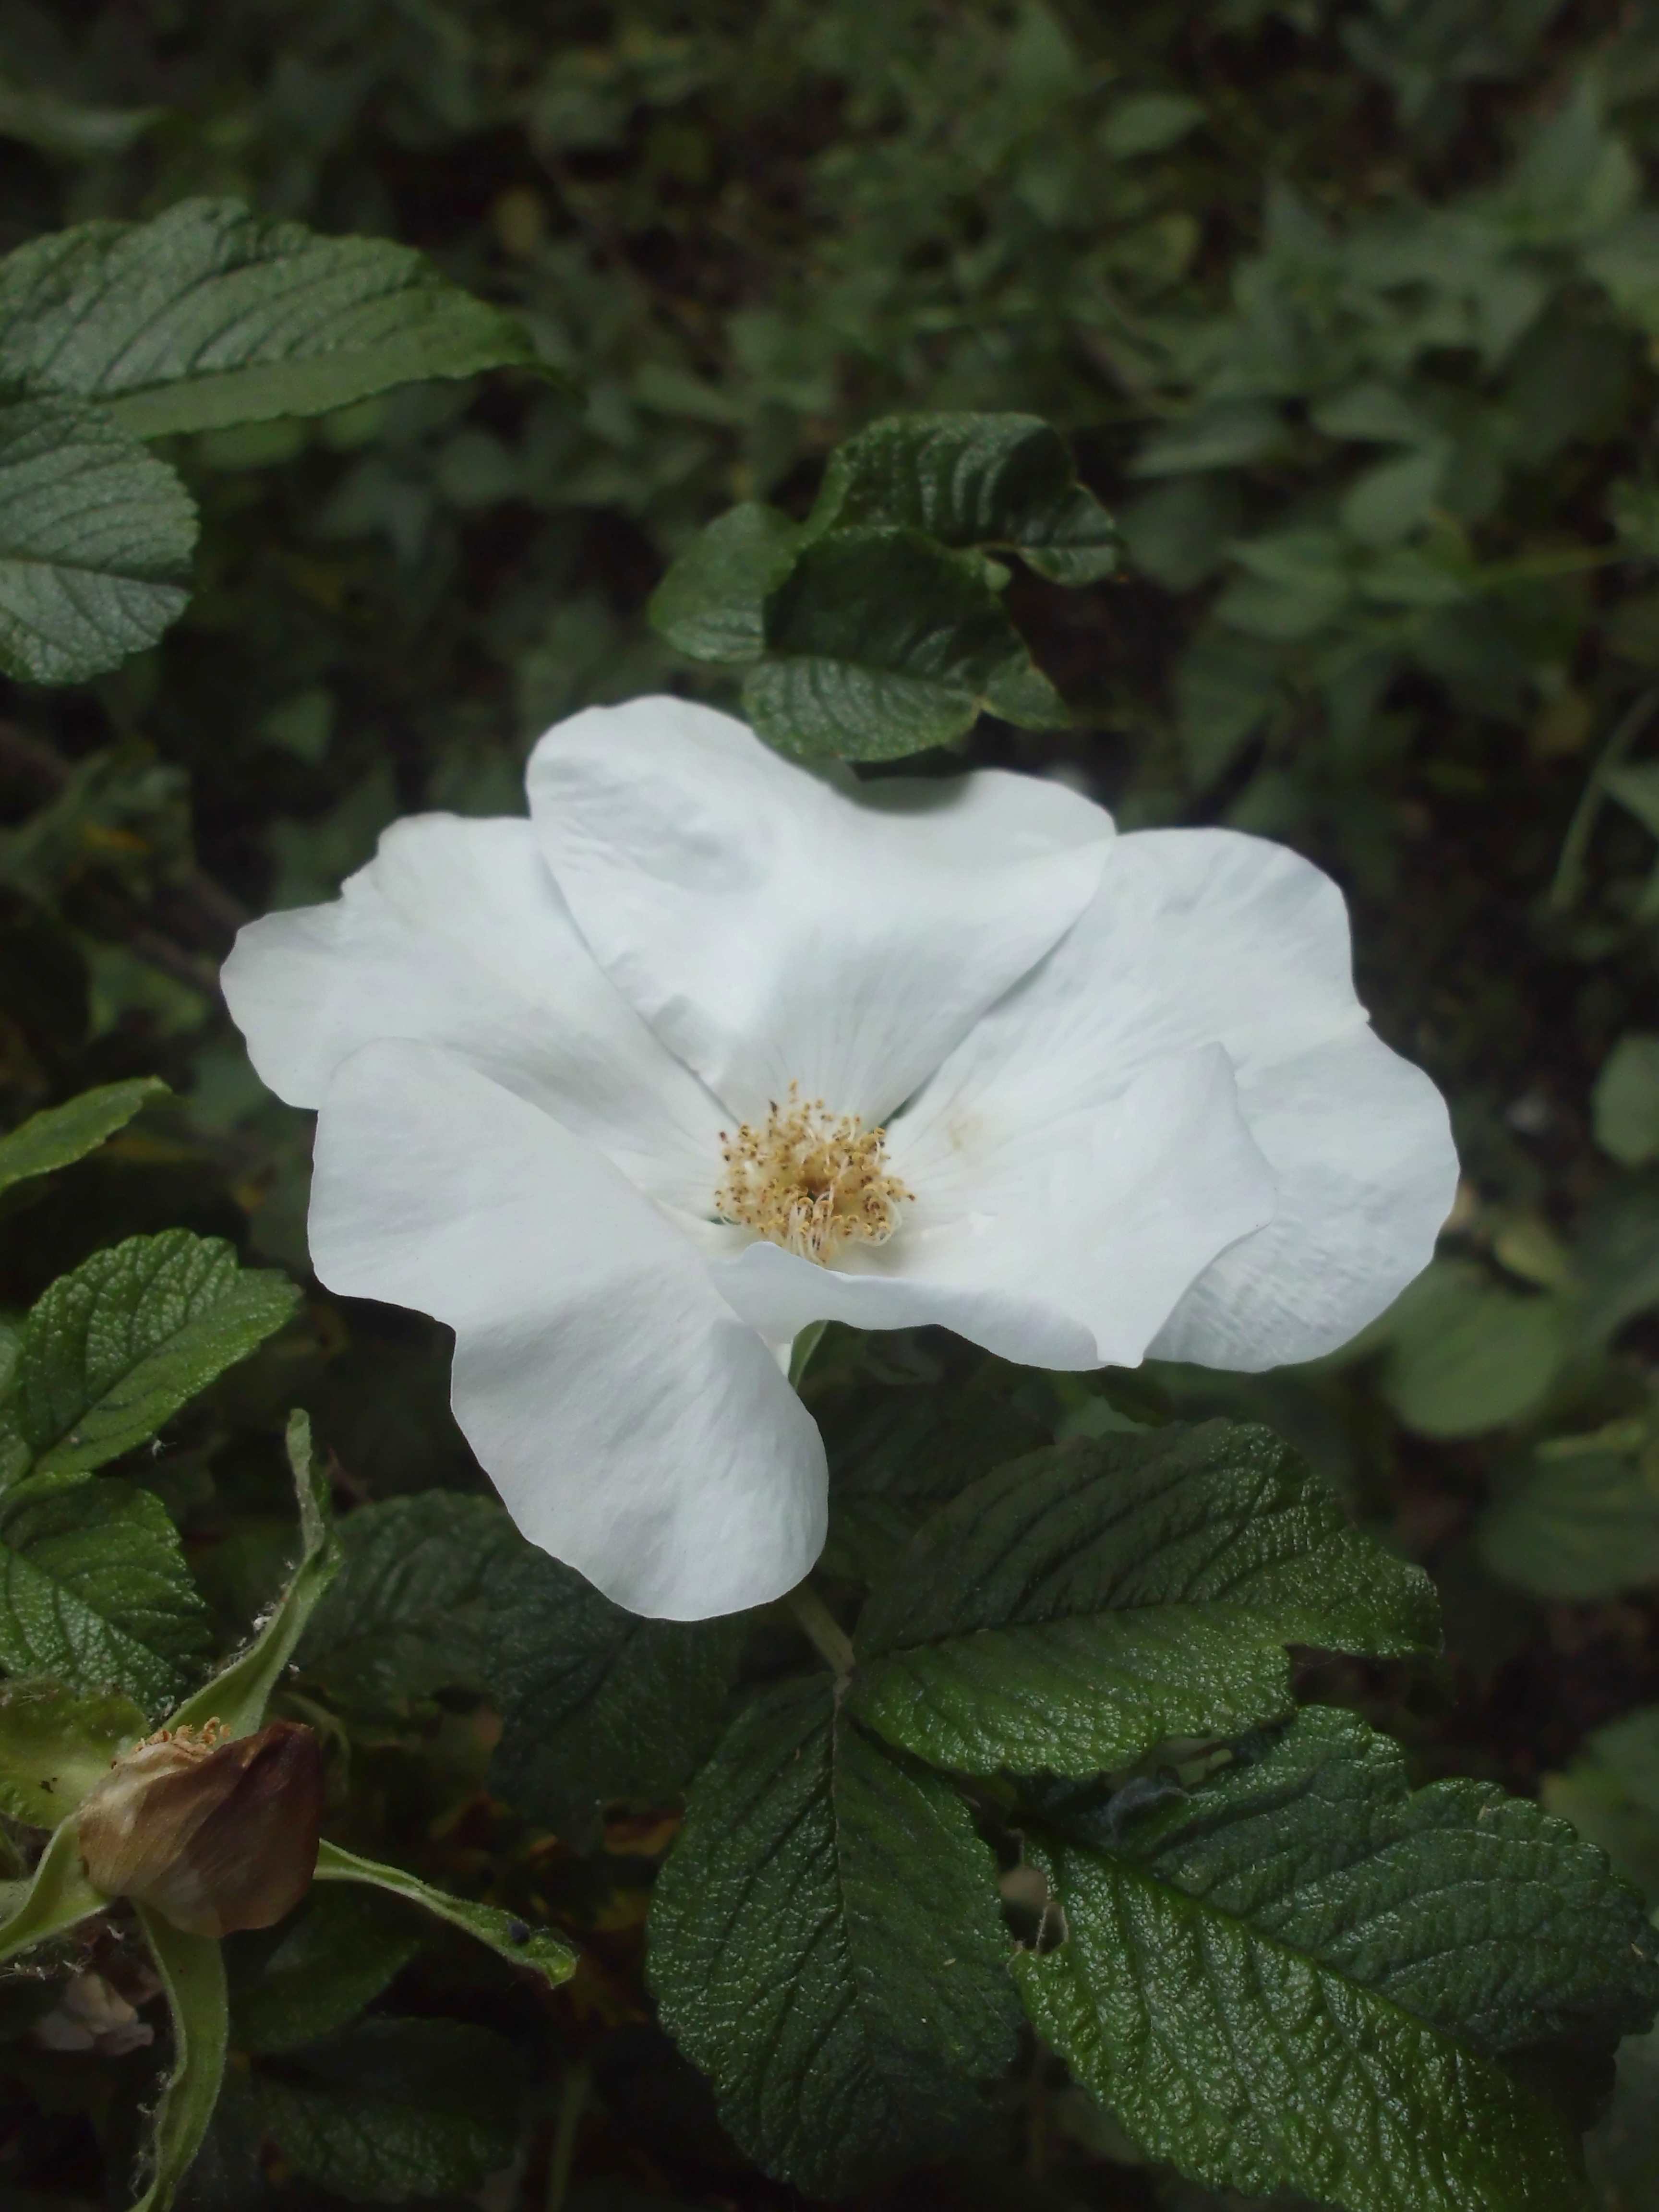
[(513, 1939), (825, 1944), (58, 1135), (192, 1973), (95, 1595), (1465, 1355), (211, 315), (1625, 1104), (55, 1743), (1299, 1975), (1074, 1608), (1582, 1519), (113, 1349), (55, 1897), (95, 541)]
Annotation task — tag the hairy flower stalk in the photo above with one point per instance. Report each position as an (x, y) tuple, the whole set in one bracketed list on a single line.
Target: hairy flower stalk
[(215, 1833), (711, 1050)]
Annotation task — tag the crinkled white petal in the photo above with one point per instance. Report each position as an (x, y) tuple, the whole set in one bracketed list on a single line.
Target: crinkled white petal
[(1361, 1145), (633, 1424), (1059, 1237), (775, 926), (456, 933), (1209, 937)]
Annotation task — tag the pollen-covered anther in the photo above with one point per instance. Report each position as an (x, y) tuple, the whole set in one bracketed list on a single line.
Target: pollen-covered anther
[(809, 1180)]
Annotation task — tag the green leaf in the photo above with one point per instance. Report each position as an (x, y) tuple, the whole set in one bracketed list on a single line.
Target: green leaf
[(61, 1134), (211, 315), (972, 481), (394, 2109), (1298, 1977), (1582, 1520), (1610, 1793), (55, 1744), (599, 1704), (1626, 1101), (1074, 1608), (881, 644), (1623, 2150), (1465, 1356), (113, 1350), (825, 1942), (55, 1898), (712, 603), (328, 1961), (95, 541), (237, 1696), (193, 1972), (416, 1604), (514, 1940), (96, 1594)]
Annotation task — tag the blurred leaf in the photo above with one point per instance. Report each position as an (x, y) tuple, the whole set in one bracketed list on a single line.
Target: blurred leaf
[(1625, 1104), (70, 129), (1610, 1793), (843, 2016), (54, 1745), (1622, 2150), (61, 1134), (95, 542), (394, 2109), (513, 1939), (113, 1350), (329, 1959), (1259, 1979), (1583, 1521), (1223, 433), (987, 480), (1465, 1356), (192, 1973), (94, 1593), (1148, 123), (1072, 1610), (211, 315)]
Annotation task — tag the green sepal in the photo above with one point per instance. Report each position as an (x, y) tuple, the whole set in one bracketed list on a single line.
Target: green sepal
[(517, 1940), (192, 1971), (55, 1898)]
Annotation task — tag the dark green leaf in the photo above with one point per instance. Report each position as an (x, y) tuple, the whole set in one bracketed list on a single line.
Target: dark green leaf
[(414, 1605), (513, 1939), (95, 540), (62, 1134), (825, 1944), (1582, 1520), (54, 1745), (1297, 1977), (113, 1349), (881, 644), (1074, 1608), (599, 1704), (972, 480), (395, 2109), (96, 1594), (1622, 2150), (712, 603), (1465, 1355), (192, 1973), (211, 315), (328, 1962)]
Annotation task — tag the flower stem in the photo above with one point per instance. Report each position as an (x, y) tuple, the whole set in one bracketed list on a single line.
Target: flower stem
[(823, 1631)]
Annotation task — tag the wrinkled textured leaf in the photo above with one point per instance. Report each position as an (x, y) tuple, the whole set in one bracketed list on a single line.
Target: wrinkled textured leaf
[(1072, 1609), (211, 315), (95, 540), (328, 1962), (55, 1744), (972, 480), (712, 603), (1295, 1978), (414, 1608), (597, 1703), (395, 2109), (62, 1134), (193, 1972), (825, 1944), (113, 1349), (514, 1940), (96, 1594), (881, 644)]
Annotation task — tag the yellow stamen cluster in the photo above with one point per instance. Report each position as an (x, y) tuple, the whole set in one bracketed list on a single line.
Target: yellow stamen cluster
[(808, 1181)]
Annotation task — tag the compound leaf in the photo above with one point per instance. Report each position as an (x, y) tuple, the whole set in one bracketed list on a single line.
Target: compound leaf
[(825, 1944), (1073, 1609)]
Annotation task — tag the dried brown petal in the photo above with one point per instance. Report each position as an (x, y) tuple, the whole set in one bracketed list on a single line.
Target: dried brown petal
[(214, 1834)]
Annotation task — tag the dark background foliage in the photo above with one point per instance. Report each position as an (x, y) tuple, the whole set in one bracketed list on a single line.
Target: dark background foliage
[(1350, 308)]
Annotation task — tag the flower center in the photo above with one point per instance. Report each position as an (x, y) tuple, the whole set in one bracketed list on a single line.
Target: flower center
[(809, 1181)]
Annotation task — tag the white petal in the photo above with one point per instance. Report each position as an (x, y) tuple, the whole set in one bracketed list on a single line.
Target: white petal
[(1062, 1241), (1359, 1142), (633, 1425), (456, 933), (776, 926)]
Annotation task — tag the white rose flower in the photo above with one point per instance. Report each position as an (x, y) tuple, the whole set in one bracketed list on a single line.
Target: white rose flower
[(711, 1048)]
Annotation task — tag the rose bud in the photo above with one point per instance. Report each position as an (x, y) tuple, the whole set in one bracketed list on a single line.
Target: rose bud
[(217, 1833)]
